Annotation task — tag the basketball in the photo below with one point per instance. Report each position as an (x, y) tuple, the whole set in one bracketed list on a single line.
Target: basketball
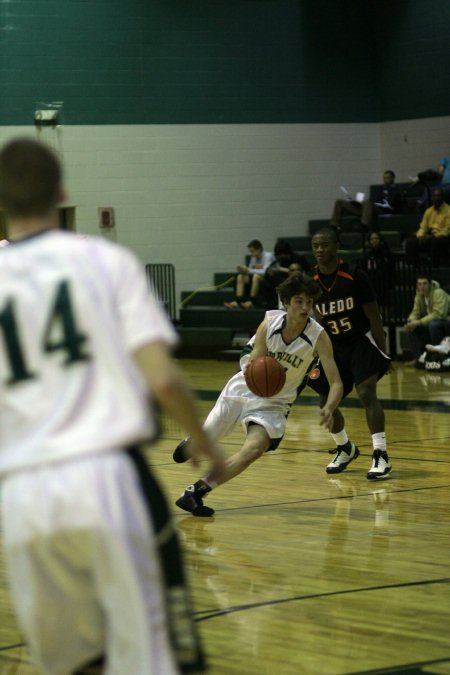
[(265, 376)]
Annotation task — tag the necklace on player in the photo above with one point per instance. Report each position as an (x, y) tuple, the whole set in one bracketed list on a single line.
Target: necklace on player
[(329, 289)]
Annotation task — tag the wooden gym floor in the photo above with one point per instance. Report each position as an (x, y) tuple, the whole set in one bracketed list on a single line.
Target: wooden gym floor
[(299, 573)]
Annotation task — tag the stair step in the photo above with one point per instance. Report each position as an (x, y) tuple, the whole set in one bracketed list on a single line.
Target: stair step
[(206, 342), (203, 342), (406, 223), (213, 298), (297, 243), (392, 239), (206, 335), (220, 317)]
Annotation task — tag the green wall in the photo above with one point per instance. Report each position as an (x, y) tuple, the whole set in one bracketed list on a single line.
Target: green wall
[(413, 62), (223, 61)]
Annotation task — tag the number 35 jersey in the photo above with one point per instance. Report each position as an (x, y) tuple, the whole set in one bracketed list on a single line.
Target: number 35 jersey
[(341, 304), (72, 311)]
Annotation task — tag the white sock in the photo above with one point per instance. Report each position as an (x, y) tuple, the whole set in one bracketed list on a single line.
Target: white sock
[(340, 438), (379, 441), (210, 483)]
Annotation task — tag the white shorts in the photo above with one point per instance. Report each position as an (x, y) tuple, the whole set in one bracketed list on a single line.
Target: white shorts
[(84, 570), (229, 410)]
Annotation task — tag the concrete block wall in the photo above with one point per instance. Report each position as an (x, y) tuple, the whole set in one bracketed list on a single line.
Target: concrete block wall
[(194, 195), (411, 146)]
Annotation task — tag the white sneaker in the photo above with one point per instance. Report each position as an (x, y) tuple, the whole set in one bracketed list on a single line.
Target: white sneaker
[(342, 459), (440, 349), (381, 465)]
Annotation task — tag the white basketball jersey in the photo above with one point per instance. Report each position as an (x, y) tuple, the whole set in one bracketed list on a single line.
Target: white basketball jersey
[(72, 309), (295, 357)]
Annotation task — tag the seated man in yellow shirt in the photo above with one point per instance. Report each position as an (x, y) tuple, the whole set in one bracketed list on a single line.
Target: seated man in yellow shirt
[(433, 236)]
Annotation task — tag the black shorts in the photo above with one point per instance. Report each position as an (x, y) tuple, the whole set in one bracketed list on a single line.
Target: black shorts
[(356, 362)]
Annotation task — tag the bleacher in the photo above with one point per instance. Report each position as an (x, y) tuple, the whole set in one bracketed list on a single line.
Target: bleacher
[(209, 330)]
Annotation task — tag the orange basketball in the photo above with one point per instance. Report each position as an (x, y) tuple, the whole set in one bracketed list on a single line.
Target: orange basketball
[(265, 376)]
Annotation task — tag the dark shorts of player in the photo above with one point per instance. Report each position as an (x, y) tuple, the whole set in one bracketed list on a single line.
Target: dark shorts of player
[(356, 363)]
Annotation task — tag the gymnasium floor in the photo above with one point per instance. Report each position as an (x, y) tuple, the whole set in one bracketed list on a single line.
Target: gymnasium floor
[(299, 573)]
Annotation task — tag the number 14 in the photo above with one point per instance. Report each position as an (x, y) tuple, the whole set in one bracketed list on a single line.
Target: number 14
[(71, 343)]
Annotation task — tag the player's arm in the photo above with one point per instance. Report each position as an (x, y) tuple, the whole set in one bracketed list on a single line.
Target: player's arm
[(372, 311), (248, 353), (324, 349), (260, 345), (369, 304), (170, 390)]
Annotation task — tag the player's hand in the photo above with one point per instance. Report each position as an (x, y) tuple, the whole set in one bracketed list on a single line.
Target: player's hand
[(326, 418)]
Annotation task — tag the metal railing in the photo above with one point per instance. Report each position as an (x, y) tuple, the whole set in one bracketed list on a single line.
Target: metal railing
[(161, 277), (395, 287)]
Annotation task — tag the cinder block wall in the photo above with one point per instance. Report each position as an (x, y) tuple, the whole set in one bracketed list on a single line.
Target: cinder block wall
[(414, 145), (195, 195)]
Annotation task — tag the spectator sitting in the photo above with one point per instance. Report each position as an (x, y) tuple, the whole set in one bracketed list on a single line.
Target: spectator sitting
[(387, 200), (439, 178), (286, 262), (249, 276), (429, 321), (378, 255), (433, 236)]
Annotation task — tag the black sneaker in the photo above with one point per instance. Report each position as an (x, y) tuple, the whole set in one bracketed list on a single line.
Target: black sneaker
[(342, 459), (179, 454), (192, 502), (381, 466)]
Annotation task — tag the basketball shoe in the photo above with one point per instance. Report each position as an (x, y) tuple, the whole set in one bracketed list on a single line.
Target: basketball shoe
[(381, 465), (191, 501), (179, 454), (344, 455)]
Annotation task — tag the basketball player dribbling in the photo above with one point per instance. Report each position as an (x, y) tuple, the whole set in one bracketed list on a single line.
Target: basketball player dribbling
[(349, 312), (293, 337)]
